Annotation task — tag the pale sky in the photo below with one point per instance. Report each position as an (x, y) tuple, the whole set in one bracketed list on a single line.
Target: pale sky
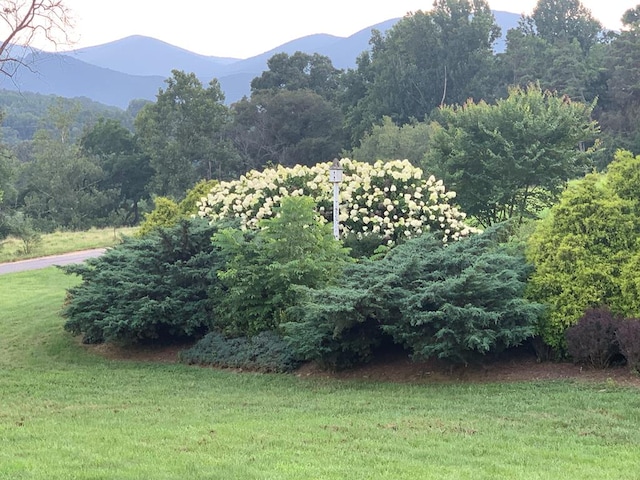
[(244, 28)]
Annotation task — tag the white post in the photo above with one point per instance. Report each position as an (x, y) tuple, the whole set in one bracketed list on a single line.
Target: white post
[(335, 177)]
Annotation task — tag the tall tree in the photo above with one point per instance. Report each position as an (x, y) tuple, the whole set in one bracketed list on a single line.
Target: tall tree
[(425, 60), (300, 71), (286, 128), (183, 134), (60, 187), (621, 104), (511, 159), (563, 21), (561, 46), (126, 168), (388, 141)]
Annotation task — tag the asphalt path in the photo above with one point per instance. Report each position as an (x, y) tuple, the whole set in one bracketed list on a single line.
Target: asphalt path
[(44, 262)]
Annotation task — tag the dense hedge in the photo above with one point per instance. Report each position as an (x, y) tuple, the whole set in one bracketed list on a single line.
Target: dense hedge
[(265, 352), (452, 302), (151, 288), (593, 339), (586, 253)]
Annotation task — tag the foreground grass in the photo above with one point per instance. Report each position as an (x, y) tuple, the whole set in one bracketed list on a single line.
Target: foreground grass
[(63, 242), (67, 414)]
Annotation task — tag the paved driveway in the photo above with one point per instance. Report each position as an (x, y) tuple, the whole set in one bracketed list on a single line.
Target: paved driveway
[(44, 262)]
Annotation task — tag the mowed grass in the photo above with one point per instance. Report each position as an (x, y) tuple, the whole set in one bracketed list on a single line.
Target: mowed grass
[(62, 242), (66, 413)]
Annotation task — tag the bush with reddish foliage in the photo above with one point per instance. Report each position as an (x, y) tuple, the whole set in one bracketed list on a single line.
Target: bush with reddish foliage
[(628, 338), (593, 339)]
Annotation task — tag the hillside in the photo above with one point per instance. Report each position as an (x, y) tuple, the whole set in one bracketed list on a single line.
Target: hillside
[(25, 112)]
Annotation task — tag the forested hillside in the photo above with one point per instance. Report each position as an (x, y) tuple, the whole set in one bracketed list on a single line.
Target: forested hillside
[(24, 113)]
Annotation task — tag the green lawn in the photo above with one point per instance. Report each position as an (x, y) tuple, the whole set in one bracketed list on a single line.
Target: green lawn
[(66, 414)]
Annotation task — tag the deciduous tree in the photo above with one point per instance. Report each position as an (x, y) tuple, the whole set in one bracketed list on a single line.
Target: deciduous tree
[(389, 141), (425, 60), (300, 71), (126, 168), (511, 159), (621, 116), (183, 134), (563, 21), (561, 46), (286, 127)]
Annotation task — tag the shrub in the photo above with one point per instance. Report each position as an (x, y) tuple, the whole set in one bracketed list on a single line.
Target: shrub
[(151, 288), (451, 302), (593, 339), (23, 228), (628, 338), (581, 252), (188, 206), (391, 200), (256, 284), (167, 213), (337, 326), (266, 352)]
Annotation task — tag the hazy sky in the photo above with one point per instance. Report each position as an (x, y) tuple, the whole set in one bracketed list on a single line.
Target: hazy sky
[(243, 28)]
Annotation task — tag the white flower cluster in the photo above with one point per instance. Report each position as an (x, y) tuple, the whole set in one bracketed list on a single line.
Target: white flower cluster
[(390, 199)]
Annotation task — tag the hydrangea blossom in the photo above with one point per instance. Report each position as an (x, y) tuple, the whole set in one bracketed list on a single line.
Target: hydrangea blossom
[(390, 199)]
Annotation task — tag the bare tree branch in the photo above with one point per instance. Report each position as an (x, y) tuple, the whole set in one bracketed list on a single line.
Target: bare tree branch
[(24, 22)]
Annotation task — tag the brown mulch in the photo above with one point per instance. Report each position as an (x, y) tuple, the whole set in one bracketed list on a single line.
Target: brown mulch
[(515, 366)]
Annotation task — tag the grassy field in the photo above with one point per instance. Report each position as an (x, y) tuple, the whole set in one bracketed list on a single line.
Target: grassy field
[(62, 242), (67, 414)]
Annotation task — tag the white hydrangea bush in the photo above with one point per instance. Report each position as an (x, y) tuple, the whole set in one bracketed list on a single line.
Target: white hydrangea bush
[(390, 199)]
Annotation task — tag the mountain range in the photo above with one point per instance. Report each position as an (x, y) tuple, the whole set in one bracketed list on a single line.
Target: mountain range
[(136, 67)]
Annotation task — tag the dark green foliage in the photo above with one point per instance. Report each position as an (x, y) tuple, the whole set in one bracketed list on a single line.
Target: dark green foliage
[(564, 20), (451, 302), (593, 339), (182, 133), (426, 59), (299, 71), (62, 188), (127, 170), (262, 267), (628, 339), (286, 127), (366, 246), (338, 326), (265, 352), (151, 288)]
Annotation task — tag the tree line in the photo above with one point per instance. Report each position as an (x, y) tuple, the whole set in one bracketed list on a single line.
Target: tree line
[(505, 130)]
